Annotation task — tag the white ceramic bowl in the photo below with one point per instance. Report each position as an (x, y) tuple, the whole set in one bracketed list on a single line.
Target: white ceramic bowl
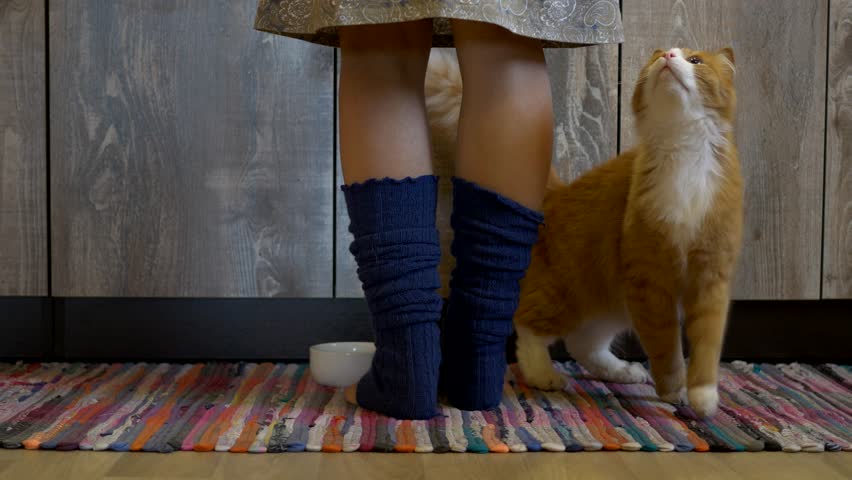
[(341, 364)]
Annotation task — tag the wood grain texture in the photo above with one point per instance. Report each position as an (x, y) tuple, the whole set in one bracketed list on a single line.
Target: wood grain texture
[(837, 254), (23, 157), (191, 155), (44, 465), (585, 102), (780, 47), (585, 96)]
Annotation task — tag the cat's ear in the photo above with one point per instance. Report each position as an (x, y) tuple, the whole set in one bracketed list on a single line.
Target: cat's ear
[(728, 53)]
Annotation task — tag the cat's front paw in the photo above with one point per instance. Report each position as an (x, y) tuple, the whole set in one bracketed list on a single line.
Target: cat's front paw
[(671, 386), (704, 400), (548, 380), (677, 397)]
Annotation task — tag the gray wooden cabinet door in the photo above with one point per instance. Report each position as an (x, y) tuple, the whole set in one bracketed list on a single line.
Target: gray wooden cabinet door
[(585, 96), (780, 49), (23, 161), (190, 155), (585, 102), (837, 253)]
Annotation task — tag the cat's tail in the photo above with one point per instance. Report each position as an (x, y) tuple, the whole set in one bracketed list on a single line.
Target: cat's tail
[(443, 92), (553, 180)]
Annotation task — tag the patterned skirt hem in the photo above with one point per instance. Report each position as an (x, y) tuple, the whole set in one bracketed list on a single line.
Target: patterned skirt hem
[(442, 37)]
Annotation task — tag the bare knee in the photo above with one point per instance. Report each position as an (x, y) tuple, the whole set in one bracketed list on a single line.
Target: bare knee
[(496, 63), (491, 53), (397, 52), (469, 33)]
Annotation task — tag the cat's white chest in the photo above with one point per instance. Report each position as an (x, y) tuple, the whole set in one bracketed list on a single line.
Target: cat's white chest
[(683, 188)]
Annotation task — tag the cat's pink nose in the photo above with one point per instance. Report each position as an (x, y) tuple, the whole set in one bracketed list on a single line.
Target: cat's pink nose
[(669, 55)]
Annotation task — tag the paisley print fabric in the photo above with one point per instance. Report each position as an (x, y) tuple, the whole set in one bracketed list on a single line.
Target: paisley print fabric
[(558, 23)]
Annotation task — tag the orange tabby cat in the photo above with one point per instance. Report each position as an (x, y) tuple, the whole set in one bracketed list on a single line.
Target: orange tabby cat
[(643, 239)]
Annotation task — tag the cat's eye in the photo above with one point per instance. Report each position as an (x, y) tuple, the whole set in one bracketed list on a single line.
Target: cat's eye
[(694, 60)]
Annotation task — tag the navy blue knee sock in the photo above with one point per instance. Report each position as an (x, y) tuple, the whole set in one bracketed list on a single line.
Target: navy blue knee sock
[(397, 250), (493, 238)]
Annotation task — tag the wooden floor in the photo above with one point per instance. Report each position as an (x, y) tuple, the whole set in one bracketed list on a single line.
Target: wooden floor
[(37, 465)]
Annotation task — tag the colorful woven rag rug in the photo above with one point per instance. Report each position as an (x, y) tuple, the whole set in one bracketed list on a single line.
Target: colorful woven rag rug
[(245, 407)]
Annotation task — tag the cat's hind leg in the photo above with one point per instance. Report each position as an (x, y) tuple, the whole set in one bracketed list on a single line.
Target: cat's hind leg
[(535, 362), (590, 343)]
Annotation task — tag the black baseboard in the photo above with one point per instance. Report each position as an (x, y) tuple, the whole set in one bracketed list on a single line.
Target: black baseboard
[(123, 329), (26, 327), (791, 330), (207, 329)]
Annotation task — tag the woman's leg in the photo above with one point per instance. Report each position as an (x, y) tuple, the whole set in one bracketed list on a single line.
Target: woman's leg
[(383, 129), (504, 153), (391, 198), (505, 141)]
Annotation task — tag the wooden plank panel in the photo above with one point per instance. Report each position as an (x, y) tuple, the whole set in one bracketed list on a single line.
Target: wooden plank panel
[(780, 46), (192, 156), (23, 159), (585, 96), (585, 99), (837, 259)]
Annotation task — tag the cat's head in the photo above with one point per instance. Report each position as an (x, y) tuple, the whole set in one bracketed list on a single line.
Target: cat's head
[(680, 85)]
